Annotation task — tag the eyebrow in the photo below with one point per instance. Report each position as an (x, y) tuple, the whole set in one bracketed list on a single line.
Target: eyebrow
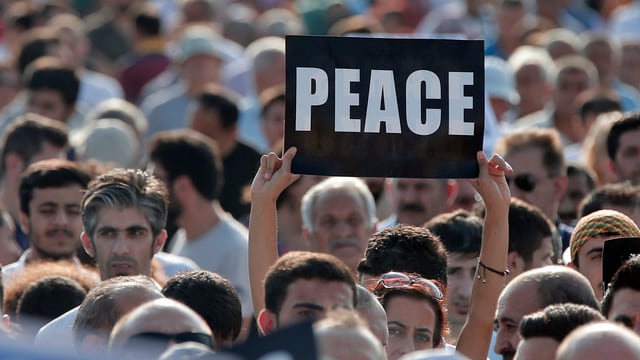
[(506, 319), (130, 228), (397, 323), (309, 306), (594, 250)]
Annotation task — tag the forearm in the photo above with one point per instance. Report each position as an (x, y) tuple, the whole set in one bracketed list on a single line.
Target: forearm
[(476, 334), (263, 248)]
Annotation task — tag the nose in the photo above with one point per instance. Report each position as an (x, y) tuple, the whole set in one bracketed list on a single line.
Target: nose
[(342, 229), (502, 342), (120, 246), (466, 286), (407, 346), (61, 217)]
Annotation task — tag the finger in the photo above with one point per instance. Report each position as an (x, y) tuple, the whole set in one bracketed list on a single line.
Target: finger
[(263, 166), (287, 159), (272, 164), (497, 162)]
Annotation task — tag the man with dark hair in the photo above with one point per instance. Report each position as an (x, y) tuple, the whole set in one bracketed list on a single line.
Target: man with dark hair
[(50, 212), (216, 116), (543, 331), (124, 213), (530, 233), (621, 302), (618, 197), (52, 89), (105, 304), (189, 164), (213, 298), (29, 139), (581, 182), (461, 235), (304, 286), (532, 291), (272, 114), (407, 249), (623, 147)]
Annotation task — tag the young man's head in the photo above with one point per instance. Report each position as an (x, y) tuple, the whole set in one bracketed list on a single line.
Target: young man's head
[(212, 297), (587, 241), (338, 216), (620, 197), (543, 331), (621, 302), (581, 181), (50, 207), (461, 235), (539, 175), (404, 248), (303, 286), (189, 165), (216, 116), (52, 89), (29, 139), (623, 147), (124, 213), (532, 291)]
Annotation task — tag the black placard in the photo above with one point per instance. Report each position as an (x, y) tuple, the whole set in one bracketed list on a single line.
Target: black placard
[(358, 106)]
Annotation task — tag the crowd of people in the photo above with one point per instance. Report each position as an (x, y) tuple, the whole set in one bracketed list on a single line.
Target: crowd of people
[(148, 208)]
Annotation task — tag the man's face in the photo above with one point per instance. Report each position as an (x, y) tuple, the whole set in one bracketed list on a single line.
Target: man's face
[(209, 123), (601, 56), (590, 262), (310, 299), (273, 123), (569, 85), (545, 193), (48, 151), (123, 243), (418, 200), (535, 348), (532, 88), (49, 103), (577, 189), (543, 256), (199, 70), (461, 269), (54, 222), (341, 226), (625, 309), (626, 162), (514, 303)]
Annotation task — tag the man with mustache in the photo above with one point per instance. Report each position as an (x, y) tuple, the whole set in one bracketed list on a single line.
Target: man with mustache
[(338, 216), (124, 213), (50, 212), (416, 201)]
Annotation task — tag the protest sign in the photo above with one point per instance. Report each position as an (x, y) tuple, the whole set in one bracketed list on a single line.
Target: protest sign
[(384, 107)]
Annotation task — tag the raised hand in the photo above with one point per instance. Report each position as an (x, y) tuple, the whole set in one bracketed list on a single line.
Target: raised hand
[(273, 176)]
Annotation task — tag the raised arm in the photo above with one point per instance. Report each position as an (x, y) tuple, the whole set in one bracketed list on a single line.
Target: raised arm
[(273, 176), (475, 336)]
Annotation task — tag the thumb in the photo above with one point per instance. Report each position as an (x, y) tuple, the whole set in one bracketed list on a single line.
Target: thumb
[(287, 158)]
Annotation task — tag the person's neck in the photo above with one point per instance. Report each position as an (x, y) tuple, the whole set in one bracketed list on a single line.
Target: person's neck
[(227, 146), (199, 218), (35, 255)]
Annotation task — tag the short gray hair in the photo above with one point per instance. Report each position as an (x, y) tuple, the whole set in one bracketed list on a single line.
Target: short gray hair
[(354, 186), (125, 188)]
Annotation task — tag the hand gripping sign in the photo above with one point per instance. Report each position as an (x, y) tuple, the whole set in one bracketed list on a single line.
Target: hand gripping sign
[(384, 107)]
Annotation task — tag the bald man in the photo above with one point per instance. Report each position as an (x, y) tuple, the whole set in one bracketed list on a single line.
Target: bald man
[(151, 328), (603, 340)]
